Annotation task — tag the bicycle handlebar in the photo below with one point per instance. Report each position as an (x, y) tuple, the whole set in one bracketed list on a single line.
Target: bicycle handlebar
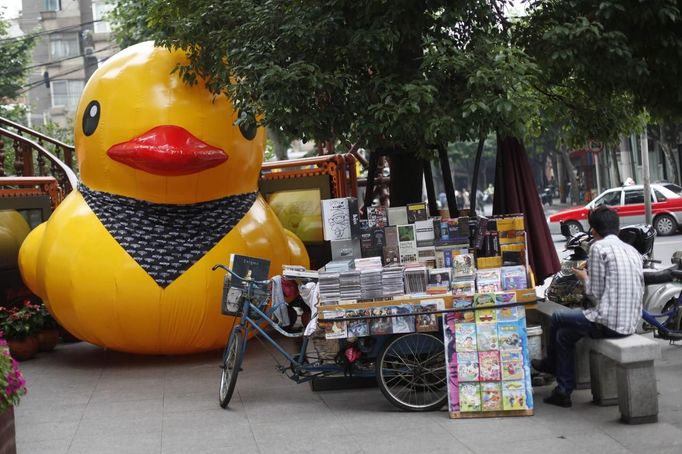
[(249, 280)]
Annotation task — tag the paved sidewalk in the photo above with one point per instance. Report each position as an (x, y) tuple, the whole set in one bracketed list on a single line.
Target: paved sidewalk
[(83, 399)]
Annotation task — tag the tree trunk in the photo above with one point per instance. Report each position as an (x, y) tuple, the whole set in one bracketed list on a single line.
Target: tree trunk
[(278, 144), (407, 174), (669, 157), (570, 170), (615, 150)]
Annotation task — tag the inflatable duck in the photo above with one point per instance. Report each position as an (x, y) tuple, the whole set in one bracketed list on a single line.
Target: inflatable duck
[(168, 189)]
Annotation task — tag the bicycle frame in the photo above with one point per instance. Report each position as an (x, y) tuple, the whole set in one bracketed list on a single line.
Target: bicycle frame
[(669, 315), (247, 322)]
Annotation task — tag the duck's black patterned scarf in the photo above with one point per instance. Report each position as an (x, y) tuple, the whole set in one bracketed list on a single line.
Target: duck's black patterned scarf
[(165, 240)]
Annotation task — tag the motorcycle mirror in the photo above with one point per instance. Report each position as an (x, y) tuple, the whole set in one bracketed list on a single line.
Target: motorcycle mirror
[(565, 230)]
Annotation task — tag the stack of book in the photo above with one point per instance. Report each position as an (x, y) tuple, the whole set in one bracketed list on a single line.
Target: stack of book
[(328, 285), (338, 266), (392, 281), (349, 285), (416, 279)]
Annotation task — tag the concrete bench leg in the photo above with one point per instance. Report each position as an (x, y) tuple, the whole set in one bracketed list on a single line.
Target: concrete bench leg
[(603, 381), (637, 392), (582, 364)]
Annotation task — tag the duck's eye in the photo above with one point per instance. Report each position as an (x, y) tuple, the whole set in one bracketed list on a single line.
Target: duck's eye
[(91, 118), (247, 125)]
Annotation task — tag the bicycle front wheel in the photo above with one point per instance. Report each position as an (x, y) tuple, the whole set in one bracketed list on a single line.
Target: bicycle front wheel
[(232, 360), (410, 372)]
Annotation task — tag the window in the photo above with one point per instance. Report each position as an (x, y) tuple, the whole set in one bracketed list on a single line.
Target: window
[(610, 198), (52, 5), (632, 197), (673, 187), (66, 92), (660, 197), (99, 13), (62, 46)]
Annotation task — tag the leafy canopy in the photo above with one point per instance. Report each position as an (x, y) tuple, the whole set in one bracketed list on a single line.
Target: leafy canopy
[(382, 73)]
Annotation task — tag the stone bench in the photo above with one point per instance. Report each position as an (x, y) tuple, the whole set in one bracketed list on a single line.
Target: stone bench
[(618, 370)]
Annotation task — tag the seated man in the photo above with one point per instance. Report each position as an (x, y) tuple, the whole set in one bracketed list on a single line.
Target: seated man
[(616, 283)]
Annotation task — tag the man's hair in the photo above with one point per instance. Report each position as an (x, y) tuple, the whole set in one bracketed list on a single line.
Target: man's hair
[(604, 221)]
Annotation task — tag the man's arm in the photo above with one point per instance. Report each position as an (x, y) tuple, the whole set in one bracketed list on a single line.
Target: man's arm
[(595, 284)]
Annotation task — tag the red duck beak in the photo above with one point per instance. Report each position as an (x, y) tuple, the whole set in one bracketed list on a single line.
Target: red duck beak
[(168, 151)]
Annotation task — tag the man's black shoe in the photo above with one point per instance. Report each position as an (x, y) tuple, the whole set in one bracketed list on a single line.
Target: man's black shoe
[(542, 365), (558, 398)]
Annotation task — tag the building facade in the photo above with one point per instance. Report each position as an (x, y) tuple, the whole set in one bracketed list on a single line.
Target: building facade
[(72, 40)]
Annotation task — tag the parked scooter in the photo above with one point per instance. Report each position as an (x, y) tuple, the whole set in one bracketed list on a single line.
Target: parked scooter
[(662, 286)]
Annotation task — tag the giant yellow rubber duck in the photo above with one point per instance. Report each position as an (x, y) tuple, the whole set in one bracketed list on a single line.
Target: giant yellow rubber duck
[(168, 189)]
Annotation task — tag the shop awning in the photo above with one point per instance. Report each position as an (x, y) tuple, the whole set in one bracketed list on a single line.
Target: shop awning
[(515, 192)]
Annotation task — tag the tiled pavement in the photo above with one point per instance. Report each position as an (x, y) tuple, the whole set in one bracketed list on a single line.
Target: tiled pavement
[(83, 399)]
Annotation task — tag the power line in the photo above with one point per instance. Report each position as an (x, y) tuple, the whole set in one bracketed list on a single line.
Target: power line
[(37, 83), (38, 65), (47, 32)]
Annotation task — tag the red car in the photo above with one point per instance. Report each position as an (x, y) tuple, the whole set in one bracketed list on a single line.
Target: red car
[(628, 201)]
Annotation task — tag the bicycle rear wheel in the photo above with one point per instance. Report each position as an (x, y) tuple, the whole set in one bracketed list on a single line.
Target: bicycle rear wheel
[(410, 372), (232, 360)]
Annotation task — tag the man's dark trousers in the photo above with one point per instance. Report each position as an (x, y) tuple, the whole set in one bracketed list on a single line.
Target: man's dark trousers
[(566, 329)]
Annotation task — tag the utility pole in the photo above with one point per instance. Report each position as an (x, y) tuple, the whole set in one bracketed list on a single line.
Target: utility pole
[(648, 217), (87, 38)]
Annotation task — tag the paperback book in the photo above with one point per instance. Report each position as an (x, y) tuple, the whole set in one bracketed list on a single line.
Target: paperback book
[(510, 313), (426, 320), (486, 336), (467, 366), (464, 287), (491, 396), (486, 315), (464, 317), (469, 397), (465, 337), (512, 364), (407, 243), (377, 216), (463, 301), (439, 281), (463, 265), (510, 335), (340, 218), (488, 280), (514, 395), (489, 365), (514, 277), (416, 212), (397, 215)]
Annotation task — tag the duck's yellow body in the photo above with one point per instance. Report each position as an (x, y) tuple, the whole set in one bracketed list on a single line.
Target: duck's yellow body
[(129, 109)]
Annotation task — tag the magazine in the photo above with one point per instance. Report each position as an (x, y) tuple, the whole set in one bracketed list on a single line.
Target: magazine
[(426, 321), (486, 336), (358, 328), (491, 396), (514, 395), (469, 397), (512, 364), (465, 337), (467, 366), (489, 365), (381, 325), (402, 324), (250, 268)]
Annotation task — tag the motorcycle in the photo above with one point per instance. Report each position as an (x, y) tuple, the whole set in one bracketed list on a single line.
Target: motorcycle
[(547, 195), (662, 286)]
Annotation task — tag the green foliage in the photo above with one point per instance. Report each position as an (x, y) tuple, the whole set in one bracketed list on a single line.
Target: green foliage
[(411, 74), (14, 57), (12, 383)]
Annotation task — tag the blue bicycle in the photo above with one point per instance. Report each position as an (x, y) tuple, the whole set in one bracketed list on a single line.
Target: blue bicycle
[(409, 368)]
